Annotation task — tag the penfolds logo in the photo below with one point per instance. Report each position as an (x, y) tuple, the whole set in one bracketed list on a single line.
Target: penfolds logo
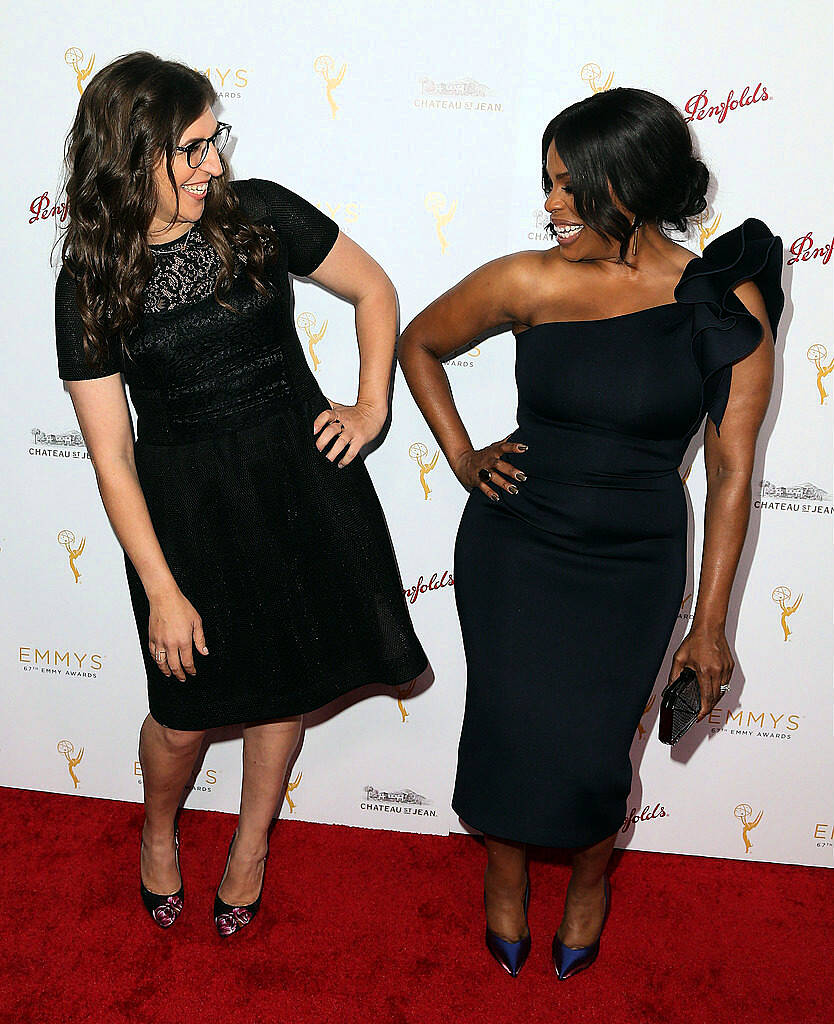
[(647, 814), (422, 587), (42, 208), (804, 249), (699, 107)]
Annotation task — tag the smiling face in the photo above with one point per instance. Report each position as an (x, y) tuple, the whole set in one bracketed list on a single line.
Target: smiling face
[(576, 240), (193, 183)]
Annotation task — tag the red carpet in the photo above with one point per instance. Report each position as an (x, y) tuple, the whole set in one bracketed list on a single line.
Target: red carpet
[(360, 926)]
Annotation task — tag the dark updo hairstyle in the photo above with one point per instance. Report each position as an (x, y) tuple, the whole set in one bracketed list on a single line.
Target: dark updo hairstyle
[(639, 144), (132, 114)]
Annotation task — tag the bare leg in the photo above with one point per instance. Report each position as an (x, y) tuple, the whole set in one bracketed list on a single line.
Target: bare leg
[(267, 747), (504, 884), (585, 900), (167, 757)]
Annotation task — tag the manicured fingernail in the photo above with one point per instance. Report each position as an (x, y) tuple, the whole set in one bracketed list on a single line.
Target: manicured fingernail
[(205, 650), (522, 447), (520, 476), (494, 497), (512, 489)]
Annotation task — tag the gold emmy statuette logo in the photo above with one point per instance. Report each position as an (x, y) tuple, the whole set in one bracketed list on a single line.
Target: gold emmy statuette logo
[(782, 595), (640, 730), (418, 451), (67, 538), (402, 693), (744, 813), (324, 66), (75, 59), (436, 206), (592, 73), (307, 323), (66, 748), (817, 354), (290, 787), (706, 231)]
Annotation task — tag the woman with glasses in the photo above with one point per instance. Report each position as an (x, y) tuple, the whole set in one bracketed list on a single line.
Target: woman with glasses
[(251, 530)]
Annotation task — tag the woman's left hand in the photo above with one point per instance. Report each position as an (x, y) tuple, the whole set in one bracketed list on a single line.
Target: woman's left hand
[(353, 426), (707, 653)]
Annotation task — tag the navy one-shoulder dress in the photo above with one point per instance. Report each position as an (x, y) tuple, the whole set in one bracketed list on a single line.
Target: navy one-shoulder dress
[(568, 592)]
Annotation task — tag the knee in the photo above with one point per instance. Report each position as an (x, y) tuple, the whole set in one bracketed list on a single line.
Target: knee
[(179, 741)]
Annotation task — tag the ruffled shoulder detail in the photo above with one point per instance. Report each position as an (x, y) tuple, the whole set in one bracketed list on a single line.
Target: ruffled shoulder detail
[(724, 331)]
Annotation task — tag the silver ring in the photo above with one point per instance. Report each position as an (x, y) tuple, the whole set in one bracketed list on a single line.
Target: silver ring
[(161, 655), (725, 687)]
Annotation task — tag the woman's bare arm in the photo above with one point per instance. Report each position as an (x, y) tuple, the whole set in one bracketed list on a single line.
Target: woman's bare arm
[(354, 275), (101, 408), (729, 465), (491, 297)]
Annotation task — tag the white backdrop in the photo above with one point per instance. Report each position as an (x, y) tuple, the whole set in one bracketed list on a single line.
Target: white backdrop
[(418, 129)]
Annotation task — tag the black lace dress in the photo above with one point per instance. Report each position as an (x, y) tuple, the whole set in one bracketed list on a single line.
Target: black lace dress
[(286, 558)]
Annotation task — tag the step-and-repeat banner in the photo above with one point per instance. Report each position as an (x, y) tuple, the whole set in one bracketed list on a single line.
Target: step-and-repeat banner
[(417, 128)]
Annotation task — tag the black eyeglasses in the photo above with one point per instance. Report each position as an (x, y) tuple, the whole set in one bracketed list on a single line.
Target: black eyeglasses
[(197, 151)]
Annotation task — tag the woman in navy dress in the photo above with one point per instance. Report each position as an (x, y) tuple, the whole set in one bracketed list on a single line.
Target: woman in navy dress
[(570, 560), (260, 570)]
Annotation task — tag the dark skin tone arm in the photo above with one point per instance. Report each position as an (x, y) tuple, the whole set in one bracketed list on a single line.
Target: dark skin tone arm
[(491, 297), (729, 465)]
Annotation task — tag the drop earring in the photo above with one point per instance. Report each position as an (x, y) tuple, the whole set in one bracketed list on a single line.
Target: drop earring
[(636, 232)]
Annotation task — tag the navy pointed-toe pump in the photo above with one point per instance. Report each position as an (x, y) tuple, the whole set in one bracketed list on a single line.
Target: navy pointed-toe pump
[(569, 961), (510, 955)]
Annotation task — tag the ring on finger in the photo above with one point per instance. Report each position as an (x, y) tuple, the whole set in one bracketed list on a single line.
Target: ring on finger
[(161, 655), (724, 688), (485, 475)]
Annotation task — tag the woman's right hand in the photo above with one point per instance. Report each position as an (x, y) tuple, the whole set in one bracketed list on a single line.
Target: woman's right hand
[(175, 628), (502, 475)]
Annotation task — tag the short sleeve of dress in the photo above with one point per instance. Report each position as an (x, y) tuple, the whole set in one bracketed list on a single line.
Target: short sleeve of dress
[(307, 233), (73, 363), (724, 331)]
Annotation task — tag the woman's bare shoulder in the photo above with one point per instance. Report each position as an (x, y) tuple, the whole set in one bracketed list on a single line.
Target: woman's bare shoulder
[(532, 264), (544, 279)]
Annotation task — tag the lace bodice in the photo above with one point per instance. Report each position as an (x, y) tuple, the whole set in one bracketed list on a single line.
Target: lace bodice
[(185, 270)]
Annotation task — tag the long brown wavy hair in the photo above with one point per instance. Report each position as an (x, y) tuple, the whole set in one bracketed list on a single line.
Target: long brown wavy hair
[(133, 112)]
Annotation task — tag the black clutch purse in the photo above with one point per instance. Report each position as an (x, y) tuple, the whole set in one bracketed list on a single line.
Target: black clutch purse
[(680, 705)]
